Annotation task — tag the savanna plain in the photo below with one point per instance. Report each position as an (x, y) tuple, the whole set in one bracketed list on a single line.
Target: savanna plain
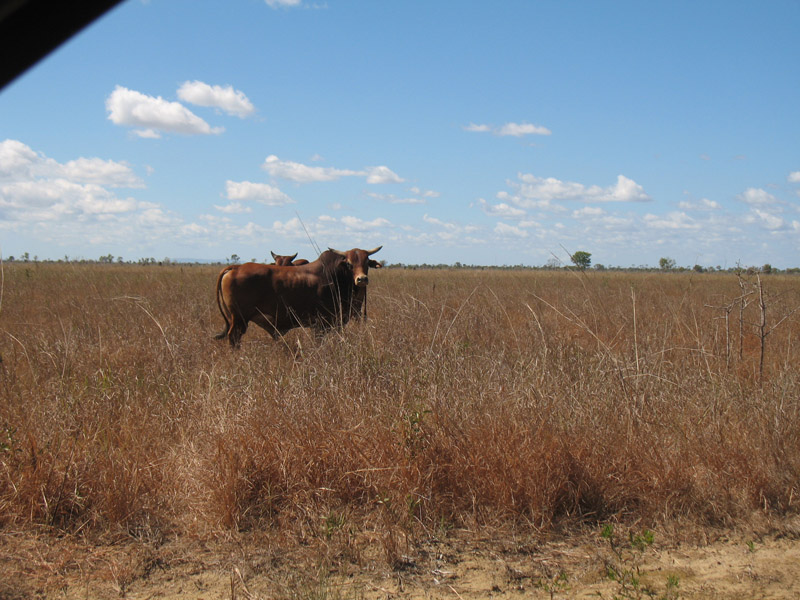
[(485, 433)]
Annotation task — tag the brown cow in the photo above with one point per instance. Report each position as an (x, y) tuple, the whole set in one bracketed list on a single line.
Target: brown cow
[(322, 294), (284, 260)]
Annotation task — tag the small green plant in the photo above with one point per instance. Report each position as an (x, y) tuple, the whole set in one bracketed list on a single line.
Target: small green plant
[(412, 430), (625, 567), (333, 522), (554, 583)]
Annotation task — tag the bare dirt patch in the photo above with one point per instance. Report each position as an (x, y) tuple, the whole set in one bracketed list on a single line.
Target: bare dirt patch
[(727, 565)]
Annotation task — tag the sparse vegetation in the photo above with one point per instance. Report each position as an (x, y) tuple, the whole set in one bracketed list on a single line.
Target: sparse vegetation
[(470, 399)]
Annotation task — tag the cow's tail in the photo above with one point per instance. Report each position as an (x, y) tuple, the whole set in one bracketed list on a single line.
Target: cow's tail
[(224, 310)]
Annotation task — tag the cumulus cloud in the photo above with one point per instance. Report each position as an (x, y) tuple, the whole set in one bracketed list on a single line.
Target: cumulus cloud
[(673, 220), (154, 115), (588, 212), (794, 177), (520, 129), (330, 229), (392, 199), (757, 197), (257, 192), (283, 3), (702, 204), (424, 193), (767, 219), (509, 129), (233, 102), (293, 228), (434, 221), (234, 208), (448, 231), (76, 199), (101, 172), (477, 128), (502, 209), (506, 230), (536, 191), (294, 171), (382, 175), (19, 162), (362, 225)]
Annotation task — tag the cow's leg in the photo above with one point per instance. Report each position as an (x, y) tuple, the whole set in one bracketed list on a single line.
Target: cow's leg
[(237, 330)]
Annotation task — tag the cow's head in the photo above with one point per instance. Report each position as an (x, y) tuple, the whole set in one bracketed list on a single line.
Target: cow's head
[(359, 262), (283, 261)]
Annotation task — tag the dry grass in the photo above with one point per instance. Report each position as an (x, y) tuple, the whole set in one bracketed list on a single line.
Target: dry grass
[(469, 399)]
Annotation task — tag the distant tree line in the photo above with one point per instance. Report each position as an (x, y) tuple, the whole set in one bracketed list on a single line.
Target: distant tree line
[(580, 260)]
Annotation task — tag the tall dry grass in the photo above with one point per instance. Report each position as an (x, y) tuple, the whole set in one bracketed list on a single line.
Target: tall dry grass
[(475, 398)]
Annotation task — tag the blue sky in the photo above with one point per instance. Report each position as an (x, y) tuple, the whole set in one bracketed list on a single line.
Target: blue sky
[(474, 132)]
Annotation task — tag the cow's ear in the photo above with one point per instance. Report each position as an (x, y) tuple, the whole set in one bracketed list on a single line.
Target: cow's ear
[(374, 264)]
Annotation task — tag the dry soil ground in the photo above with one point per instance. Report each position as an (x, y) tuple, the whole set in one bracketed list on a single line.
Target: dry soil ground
[(725, 565)]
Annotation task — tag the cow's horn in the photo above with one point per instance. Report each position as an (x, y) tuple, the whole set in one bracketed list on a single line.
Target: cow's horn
[(293, 256), (339, 252), (275, 256), (370, 252)]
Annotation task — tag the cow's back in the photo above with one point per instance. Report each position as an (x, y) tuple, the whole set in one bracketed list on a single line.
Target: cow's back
[(277, 297)]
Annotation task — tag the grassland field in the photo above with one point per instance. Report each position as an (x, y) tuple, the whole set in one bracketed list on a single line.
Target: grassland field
[(512, 406)]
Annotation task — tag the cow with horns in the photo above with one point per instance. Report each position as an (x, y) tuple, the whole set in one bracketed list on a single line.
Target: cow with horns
[(283, 260), (322, 294)]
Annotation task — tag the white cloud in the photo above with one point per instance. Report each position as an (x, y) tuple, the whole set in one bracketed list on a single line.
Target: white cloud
[(294, 171), (18, 159), (424, 193), (537, 190), (434, 221), (134, 109), (193, 229), (293, 228), (506, 230), (382, 175), (520, 129), (76, 203), (794, 177), (702, 204), (589, 212), (148, 134), (757, 197), (509, 129), (301, 173), (283, 3), (502, 210), (233, 102), (477, 128), (362, 225), (234, 208), (18, 162), (258, 192), (392, 199), (101, 172), (768, 220), (673, 220)]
